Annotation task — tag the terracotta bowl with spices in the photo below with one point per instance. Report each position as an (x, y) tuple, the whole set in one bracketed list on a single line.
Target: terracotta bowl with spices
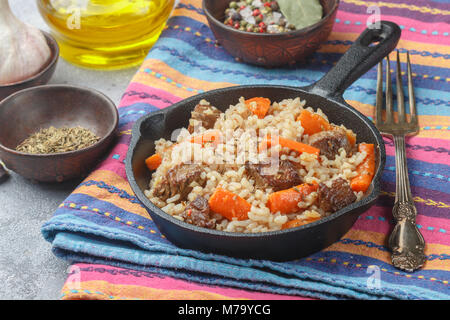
[(29, 111), (269, 49)]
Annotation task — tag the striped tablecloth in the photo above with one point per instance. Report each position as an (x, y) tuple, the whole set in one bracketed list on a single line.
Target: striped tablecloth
[(118, 252)]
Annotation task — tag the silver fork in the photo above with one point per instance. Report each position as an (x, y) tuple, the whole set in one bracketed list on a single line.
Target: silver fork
[(406, 242)]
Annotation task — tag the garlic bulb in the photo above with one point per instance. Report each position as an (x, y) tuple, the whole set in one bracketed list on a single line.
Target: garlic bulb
[(23, 48)]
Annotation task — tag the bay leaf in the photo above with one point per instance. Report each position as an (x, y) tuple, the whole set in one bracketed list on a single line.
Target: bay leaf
[(301, 13)]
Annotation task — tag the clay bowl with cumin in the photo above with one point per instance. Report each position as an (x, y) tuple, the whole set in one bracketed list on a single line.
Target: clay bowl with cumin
[(27, 111), (266, 49), (40, 78)]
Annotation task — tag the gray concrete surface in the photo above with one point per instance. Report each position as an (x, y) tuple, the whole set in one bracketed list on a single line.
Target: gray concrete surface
[(28, 269)]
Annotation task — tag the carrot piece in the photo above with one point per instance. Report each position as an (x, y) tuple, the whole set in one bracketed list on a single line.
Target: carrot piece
[(313, 123), (154, 161), (259, 106), (361, 183), (213, 136), (229, 205), (286, 201), (365, 169), (298, 222), (298, 146), (291, 144)]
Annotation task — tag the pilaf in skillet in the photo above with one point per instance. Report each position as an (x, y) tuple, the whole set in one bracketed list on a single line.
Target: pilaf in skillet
[(259, 166)]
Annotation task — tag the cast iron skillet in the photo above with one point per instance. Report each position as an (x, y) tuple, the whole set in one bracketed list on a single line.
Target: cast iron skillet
[(370, 48)]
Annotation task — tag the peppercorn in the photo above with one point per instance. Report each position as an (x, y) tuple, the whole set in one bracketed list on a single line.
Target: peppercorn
[(290, 26), (236, 16), (274, 6), (264, 10)]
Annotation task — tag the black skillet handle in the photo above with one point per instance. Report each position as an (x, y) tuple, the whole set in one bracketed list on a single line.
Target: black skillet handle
[(359, 59)]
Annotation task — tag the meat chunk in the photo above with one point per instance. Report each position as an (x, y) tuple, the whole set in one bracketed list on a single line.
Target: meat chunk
[(329, 142), (285, 177), (197, 213), (161, 189), (336, 197), (178, 181), (204, 115)]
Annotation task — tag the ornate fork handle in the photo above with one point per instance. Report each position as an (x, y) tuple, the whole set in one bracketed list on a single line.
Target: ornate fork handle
[(405, 241)]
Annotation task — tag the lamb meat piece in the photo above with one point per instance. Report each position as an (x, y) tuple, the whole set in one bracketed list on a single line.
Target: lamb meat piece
[(204, 115), (181, 176), (329, 142), (178, 180), (162, 189), (198, 213), (336, 197), (286, 176)]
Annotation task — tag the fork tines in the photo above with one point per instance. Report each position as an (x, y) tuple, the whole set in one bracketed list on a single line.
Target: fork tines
[(389, 122)]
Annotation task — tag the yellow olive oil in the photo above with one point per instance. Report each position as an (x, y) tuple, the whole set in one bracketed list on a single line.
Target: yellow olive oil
[(105, 34)]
